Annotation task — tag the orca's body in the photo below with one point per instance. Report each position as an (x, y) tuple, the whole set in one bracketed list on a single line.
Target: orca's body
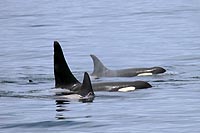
[(65, 79), (84, 93), (101, 71)]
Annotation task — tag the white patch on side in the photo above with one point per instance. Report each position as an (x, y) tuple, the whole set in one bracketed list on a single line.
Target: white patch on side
[(126, 89), (145, 74), (58, 90), (70, 97)]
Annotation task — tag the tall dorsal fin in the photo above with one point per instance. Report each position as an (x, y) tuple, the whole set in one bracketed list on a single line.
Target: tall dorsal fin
[(99, 67), (86, 87), (62, 73)]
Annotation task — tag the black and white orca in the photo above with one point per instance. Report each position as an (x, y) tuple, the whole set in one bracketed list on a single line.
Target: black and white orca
[(85, 93), (65, 79), (100, 70)]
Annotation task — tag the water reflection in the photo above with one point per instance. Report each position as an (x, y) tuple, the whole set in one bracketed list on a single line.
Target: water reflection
[(61, 108), (63, 111)]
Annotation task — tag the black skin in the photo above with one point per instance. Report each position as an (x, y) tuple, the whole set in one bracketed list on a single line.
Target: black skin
[(101, 71), (66, 80)]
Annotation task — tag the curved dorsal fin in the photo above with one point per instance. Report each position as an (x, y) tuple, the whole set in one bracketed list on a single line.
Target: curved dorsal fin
[(99, 67), (62, 73), (86, 87)]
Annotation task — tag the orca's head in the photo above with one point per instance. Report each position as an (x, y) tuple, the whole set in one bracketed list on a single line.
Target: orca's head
[(157, 70)]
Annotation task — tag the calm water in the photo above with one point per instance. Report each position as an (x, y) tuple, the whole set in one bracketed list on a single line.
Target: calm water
[(139, 33)]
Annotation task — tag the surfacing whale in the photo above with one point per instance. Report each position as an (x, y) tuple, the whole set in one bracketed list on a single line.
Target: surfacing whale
[(65, 79), (84, 94), (100, 70)]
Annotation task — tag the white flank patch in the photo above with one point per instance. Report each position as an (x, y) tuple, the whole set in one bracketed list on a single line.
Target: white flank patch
[(70, 97), (126, 89), (145, 74), (58, 90)]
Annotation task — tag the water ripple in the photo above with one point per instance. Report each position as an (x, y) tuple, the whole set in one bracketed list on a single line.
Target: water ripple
[(46, 124)]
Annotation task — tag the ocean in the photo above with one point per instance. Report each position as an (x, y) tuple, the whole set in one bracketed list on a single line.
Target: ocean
[(123, 34)]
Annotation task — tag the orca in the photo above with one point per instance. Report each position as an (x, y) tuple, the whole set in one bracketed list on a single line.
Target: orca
[(84, 94), (65, 79), (100, 70)]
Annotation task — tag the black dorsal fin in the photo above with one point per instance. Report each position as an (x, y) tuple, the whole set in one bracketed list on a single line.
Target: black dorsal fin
[(99, 67), (86, 87), (62, 73)]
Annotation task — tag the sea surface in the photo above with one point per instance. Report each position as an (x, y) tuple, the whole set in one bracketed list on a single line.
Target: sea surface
[(123, 34)]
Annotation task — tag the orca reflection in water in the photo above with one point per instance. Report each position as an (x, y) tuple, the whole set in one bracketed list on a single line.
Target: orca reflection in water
[(101, 71), (65, 79)]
